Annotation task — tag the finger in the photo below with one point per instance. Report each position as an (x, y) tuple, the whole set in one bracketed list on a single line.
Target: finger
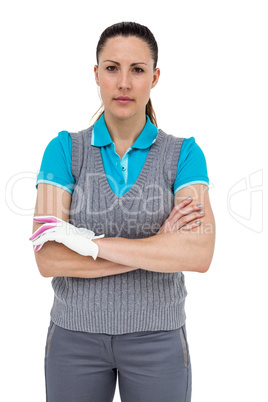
[(41, 230), (52, 230), (188, 209), (47, 232), (37, 248), (190, 226), (191, 218), (184, 220), (47, 219), (188, 216), (178, 206), (44, 238), (98, 237)]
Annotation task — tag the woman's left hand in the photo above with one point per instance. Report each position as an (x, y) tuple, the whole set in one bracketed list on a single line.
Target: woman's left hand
[(183, 217)]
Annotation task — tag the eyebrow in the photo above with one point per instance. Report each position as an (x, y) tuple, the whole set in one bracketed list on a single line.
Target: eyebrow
[(132, 64)]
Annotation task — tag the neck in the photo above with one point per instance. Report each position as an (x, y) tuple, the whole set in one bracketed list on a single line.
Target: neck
[(124, 131)]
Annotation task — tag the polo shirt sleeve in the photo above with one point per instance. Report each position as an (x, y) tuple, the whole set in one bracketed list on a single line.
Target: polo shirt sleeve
[(56, 163), (192, 166)]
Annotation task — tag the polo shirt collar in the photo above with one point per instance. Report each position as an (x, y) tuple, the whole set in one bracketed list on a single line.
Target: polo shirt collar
[(101, 136)]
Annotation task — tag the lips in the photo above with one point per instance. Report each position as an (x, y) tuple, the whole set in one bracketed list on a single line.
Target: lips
[(123, 100)]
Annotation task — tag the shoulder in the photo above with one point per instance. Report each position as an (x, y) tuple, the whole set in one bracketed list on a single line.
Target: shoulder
[(60, 144), (190, 144), (56, 162), (192, 166), (80, 134), (63, 140), (190, 149), (187, 147), (171, 137)]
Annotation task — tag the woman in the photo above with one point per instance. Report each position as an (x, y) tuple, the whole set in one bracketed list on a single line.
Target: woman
[(122, 192)]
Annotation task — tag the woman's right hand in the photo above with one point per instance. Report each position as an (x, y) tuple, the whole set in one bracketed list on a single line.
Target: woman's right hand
[(183, 217)]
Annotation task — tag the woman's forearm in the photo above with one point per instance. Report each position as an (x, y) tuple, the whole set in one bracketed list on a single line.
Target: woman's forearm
[(170, 252), (54, 259)]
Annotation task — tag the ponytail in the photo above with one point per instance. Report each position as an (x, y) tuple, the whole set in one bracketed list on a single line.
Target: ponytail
[(150, 112)]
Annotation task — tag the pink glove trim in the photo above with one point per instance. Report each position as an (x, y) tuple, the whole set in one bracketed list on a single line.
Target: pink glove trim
[(46, 219), (37, 247), (40, 231)]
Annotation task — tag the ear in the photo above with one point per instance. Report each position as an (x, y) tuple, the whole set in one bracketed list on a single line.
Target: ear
[(96, 72), (155, 77)]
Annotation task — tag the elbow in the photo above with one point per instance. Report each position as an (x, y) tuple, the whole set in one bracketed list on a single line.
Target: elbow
[(44, 271), (206, 254), (43, 265), (204, 266), (203, 269), (201, 265)]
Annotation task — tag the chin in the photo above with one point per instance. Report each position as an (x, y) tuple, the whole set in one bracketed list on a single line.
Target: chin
[(123, 114)]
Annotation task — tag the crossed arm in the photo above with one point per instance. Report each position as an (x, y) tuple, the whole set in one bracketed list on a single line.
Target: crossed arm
[(171, 250), (174, 251)]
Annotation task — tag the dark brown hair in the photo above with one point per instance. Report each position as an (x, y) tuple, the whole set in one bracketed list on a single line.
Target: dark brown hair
[(130, 29)]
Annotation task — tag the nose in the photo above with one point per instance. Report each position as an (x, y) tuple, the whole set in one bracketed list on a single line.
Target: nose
[(124, 80)]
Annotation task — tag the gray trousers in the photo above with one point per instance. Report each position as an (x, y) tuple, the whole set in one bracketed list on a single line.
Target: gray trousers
[(151, 366)]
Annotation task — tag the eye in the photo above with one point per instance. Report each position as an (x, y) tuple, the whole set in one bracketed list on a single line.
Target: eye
[(138, 70), (111, 68)]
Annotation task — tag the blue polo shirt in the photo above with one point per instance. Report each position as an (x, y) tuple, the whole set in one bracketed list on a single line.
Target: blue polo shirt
[(121, 173)]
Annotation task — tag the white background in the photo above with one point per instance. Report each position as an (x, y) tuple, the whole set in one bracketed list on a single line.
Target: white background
[(213, 86)]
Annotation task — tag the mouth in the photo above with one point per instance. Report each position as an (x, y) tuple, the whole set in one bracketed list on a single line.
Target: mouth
[(123, 100)]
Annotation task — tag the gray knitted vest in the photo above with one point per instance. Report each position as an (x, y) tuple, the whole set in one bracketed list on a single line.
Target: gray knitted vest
[(134, 301)]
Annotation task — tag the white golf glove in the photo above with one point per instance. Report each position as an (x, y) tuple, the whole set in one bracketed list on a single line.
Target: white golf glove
[(55, 229)]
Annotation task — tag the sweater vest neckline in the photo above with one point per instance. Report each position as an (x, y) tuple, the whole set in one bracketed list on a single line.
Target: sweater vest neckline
[(142, 175)]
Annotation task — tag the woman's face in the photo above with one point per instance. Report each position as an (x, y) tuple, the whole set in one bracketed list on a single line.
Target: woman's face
[(125, 70)]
